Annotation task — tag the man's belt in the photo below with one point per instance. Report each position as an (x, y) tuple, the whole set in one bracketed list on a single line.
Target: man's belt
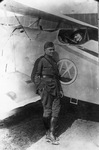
[(48, 76)]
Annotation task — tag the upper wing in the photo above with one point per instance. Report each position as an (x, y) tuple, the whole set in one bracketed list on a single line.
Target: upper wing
[(16, 7)]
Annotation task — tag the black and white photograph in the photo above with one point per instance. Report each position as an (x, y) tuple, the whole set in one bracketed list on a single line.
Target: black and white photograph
[(49, 75)]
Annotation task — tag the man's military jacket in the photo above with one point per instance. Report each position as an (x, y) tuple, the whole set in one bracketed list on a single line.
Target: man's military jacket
[(48, 67)]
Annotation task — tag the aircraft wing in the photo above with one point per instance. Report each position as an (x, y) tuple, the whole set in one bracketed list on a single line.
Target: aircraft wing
[(20, 8)]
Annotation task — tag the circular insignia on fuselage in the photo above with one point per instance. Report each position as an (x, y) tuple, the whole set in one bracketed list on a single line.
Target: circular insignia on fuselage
[(67, 70)]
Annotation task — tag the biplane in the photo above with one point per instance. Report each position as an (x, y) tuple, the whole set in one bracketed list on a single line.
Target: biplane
[(76, 54)]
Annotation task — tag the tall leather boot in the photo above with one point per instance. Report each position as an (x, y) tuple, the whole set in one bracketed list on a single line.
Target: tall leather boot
[(52, 137), (46, 121)]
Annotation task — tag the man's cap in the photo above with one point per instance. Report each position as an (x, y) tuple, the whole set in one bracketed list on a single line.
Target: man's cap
[(48, 44)]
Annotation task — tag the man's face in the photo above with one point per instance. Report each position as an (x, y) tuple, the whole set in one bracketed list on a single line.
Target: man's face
[(50, 51)]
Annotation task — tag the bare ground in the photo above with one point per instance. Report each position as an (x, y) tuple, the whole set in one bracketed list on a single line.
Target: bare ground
[(78, 128)]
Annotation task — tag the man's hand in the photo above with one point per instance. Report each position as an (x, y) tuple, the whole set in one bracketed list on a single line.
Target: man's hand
[(61, 94), (37, 79)]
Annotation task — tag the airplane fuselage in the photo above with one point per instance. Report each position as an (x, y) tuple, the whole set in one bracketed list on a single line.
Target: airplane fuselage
[(78, 65)]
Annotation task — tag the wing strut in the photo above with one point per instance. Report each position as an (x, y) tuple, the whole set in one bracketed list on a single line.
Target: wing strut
[(22, 28), (37, 22)]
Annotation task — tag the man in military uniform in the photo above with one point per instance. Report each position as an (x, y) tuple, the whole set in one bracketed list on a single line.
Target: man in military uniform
[(50, 90)]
